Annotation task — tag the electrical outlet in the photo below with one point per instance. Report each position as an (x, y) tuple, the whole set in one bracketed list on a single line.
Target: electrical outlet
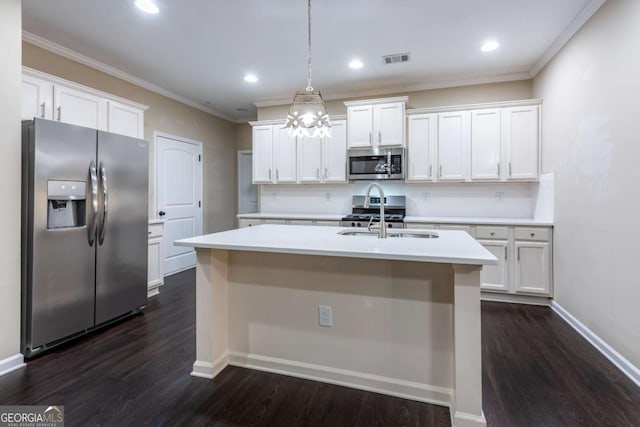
[(274, 195), (499, 196), (426, 196), (327, 196), (325, 315)]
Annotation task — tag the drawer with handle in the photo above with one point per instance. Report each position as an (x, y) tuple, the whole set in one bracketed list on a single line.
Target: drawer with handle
[(155, 230), (533, 233), (489, 232)]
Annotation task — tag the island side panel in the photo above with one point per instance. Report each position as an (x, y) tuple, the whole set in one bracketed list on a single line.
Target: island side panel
[(467, 409), (392, 321), (212, 325)]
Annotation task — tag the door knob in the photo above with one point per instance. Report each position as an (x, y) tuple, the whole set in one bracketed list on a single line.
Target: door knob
[(162, 213)]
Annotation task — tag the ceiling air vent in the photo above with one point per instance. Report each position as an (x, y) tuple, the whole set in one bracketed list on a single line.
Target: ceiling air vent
[(396, 58)]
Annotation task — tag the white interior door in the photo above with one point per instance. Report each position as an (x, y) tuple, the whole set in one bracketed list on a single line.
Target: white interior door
[(179, 197), (247, 191)]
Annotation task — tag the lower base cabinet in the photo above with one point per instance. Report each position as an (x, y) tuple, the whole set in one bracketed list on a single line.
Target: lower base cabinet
[(155, 273), (524, 257), (250, 222)]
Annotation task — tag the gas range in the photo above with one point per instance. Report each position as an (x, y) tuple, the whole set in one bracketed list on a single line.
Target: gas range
[(395, 209)]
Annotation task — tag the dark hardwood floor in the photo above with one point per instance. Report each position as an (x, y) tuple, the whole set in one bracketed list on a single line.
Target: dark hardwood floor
[(537, 371)]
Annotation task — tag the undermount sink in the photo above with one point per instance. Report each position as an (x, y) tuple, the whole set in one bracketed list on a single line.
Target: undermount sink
[(407, 233)]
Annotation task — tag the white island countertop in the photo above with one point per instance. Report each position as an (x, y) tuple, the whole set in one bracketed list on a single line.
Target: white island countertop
[(451, 247)]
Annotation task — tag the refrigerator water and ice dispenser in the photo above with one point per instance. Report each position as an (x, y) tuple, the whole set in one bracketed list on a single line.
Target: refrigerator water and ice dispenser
[(66, 204)]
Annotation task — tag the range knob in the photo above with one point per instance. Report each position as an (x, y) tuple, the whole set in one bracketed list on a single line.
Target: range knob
[(359, 225)]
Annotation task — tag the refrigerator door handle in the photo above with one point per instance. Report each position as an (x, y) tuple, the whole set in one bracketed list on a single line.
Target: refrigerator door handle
[(105, 202), (93, 213)]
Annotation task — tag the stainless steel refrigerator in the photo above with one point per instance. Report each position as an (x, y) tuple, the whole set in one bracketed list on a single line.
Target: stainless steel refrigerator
[(84, 230)]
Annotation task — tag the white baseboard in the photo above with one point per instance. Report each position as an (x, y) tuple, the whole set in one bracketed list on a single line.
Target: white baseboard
[(152, 292), (515, 299), (347, 378), (11, 364), (210, 370), (462, 419), (609, 352)]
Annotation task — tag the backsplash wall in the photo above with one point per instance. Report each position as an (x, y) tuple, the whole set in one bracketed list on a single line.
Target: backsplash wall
[(493, 200)]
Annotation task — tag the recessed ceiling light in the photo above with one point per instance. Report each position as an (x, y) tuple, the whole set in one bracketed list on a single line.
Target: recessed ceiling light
[(489, 46), (356, 64), (251, 78), (147, 6)]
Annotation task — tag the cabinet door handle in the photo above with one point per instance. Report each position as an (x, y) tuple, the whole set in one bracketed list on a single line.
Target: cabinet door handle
[(440, 172), (380, 137), (269, 174), (326, 173), (430, 169), (518, 254), (498, 169), (42, 110), (509, 168), (277, 174), (505, 252), (370, 139), (318, 173), (59, 112)]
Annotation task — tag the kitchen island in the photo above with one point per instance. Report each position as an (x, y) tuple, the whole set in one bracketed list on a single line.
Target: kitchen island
[(403, 319)]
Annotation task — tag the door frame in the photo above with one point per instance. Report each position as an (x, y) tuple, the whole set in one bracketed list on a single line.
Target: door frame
[(240, 154), (180, 139)]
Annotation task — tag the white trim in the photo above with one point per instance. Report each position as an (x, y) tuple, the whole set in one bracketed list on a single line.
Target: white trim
[(210, 370), (500, 104), (463, 419), (471, 81), (589, 10), (11, 364), (376, 101), (112, 71), (601, 345), (347, 378), (515, 298)]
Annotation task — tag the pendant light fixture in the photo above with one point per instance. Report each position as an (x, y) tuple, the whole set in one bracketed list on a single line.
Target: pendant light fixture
[(308, 116)]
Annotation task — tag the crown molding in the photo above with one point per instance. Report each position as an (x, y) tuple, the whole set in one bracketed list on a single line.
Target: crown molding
[(465, 107), (443, 84), (589, 10), (376, 101), (112, 71)]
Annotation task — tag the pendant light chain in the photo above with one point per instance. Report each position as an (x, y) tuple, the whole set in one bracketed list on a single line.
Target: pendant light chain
[(309, 87)]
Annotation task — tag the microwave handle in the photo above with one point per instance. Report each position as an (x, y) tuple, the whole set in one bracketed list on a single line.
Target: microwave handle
[(389, 164)]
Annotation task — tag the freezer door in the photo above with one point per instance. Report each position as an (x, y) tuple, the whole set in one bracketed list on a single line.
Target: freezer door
[(59, 277), (121, 267)]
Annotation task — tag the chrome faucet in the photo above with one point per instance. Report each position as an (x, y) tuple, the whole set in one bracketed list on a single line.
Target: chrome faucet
[(382, 226)]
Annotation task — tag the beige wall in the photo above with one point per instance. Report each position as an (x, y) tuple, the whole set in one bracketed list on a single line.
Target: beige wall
[(164, 115), (243, 136), (10, 35), (590, 139), (493, 92)]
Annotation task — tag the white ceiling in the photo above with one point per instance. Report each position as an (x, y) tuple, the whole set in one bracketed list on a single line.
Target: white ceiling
[(201, 49)]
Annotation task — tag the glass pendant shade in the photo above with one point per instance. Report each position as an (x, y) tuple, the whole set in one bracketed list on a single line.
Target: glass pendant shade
[(308, 116)]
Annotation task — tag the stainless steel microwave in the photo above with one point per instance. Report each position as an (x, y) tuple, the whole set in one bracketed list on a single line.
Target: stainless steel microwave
[(376, 163)]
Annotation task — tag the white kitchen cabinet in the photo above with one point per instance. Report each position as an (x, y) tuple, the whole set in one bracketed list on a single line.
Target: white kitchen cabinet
[(421, 146), (454, 134), (262, 154), (78, 107), (125, 119), (248, 222), (334, 153), (360, 126), (284, 155), (486, 144), (376, 122), (496, 277), (327, 223), (37, 98), (310, 159), (533, 267), (155, 273), (521, 136)]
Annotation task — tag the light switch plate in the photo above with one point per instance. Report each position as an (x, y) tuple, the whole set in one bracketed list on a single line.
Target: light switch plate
[(325, 315)]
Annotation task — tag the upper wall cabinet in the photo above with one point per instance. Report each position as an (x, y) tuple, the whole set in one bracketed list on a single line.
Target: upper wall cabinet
[(280, 158), (522, 128), (51, 98), (483, 144), (376, 122)]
